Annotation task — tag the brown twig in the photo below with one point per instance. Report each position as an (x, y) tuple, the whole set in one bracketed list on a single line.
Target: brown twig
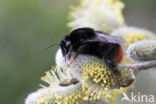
[(135, 68), (140, 66)]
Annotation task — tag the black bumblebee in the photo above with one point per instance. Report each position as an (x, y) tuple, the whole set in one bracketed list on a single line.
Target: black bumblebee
[(86, 41)]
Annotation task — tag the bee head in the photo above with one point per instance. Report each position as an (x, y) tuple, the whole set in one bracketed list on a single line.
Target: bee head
[(75, 39), (65, 45)]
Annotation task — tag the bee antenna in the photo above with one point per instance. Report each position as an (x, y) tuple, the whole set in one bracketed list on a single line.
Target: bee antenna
[(51, 46)]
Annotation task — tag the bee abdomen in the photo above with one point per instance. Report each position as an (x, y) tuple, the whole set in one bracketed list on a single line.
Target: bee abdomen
[(119, 55)]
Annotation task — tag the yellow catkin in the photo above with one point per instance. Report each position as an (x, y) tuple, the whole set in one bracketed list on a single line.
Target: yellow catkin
[(99, 80), (75, 98), (99, 9), (132, 37), (96, 74)]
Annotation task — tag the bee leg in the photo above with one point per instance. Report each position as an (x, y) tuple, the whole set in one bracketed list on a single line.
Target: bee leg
[(118, 77), (74, 58), (113, 66), (79, 50), (129, 82), (70, 52)]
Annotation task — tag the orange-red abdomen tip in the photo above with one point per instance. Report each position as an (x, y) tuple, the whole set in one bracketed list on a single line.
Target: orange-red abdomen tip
[(119, 56)]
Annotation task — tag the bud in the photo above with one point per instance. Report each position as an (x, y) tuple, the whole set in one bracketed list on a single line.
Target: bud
[(142, 51), (134, 34)]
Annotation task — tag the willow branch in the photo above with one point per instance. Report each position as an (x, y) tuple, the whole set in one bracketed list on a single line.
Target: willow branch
[(140, 66)]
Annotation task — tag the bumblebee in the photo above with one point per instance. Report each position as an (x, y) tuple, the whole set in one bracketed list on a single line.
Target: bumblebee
[(87, 41)]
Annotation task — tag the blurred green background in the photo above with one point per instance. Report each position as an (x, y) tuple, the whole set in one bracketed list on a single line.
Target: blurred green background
[(28, 26)]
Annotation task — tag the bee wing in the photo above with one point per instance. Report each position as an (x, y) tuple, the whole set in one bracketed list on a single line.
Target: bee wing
[(106, 38)]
